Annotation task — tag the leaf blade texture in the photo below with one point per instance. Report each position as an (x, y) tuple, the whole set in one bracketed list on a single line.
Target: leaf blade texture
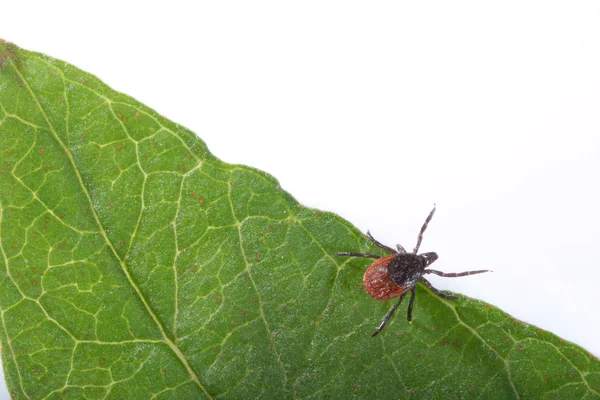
[(134, 264)]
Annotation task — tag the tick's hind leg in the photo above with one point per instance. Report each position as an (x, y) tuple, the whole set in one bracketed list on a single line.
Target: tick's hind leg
[(437, 292), (410, 305), (380, 245), (388, 316)]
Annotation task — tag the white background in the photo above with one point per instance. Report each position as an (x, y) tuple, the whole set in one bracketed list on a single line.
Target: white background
[(376, 110)]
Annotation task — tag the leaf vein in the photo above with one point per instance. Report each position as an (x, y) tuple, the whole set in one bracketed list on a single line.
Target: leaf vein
[(103, 232)]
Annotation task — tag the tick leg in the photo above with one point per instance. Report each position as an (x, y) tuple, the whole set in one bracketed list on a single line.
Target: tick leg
[(388, 316), (423, 230), (410, 305), (378, 244), (352, 254), (434, 290), (455, 274)]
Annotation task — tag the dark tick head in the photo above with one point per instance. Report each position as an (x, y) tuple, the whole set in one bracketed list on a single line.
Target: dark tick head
[(405, 269), (428, 258)]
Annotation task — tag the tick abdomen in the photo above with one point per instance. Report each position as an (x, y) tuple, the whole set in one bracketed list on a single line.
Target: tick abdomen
[(377, 283)]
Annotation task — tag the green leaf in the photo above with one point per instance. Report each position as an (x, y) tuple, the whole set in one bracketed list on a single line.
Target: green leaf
[(135, 264)]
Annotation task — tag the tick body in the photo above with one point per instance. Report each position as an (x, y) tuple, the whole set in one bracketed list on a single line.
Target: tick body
[(398, 273)]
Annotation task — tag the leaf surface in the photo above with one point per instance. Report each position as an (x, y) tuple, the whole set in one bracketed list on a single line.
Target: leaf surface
[(135, 264)]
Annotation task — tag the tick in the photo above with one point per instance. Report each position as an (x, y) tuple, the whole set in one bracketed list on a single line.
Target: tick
[(398, 273)]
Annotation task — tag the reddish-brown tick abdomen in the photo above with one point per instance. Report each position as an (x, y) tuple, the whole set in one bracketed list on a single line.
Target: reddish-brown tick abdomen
[(378, 284)]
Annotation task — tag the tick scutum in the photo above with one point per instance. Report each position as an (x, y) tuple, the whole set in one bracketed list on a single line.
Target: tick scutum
[(405, 269)]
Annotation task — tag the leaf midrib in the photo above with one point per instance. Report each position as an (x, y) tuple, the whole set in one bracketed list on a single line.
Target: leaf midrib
[(129, 278)]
